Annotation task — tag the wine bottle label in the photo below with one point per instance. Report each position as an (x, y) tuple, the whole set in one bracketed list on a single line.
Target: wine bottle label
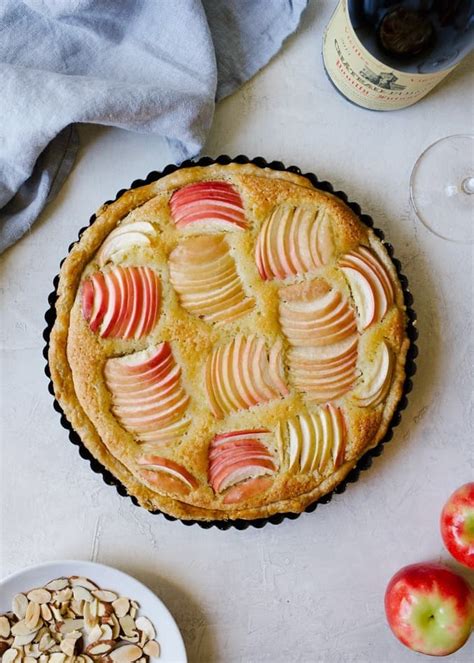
[(362, 78)]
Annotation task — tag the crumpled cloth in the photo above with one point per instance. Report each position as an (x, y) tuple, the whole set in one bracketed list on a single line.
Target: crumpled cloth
[(154, 66)]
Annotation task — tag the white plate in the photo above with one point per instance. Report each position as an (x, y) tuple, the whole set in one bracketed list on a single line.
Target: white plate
[(168, 635)]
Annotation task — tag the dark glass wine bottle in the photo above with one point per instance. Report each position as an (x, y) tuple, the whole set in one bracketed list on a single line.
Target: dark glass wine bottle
[(387, 54)]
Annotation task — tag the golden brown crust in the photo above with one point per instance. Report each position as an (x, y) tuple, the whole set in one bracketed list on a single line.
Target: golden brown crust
[(77, 356)]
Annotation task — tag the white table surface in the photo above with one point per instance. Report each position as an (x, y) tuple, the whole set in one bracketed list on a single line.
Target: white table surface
[(309, 590)]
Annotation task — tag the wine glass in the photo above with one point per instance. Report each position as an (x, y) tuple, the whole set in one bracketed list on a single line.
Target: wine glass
[(442, 188)]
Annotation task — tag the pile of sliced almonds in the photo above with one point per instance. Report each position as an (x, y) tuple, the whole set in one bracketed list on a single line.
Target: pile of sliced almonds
[(72, 620)]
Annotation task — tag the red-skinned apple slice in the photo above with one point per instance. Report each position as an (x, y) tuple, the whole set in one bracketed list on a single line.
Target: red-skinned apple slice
[(248, 489), (237, 456), (293, 240), (314, 438), (242, 374), (87, 299), (209, 206), (101, 300), (124, 238), (148, 397), (152, 464), (203, 273)]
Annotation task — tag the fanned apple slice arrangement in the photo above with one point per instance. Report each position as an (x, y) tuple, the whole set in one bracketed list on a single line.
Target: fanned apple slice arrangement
[(241, 459), (122, 302), (321, 316), (208, 206), (293, 240), (321, 329), (314, 439), (204, 275), (148, 397), (242, 374)]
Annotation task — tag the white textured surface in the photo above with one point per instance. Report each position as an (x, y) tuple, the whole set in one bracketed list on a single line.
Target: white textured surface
[(310, 590)]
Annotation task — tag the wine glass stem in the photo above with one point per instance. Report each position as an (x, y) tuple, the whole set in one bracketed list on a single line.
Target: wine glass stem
[(468, 185)]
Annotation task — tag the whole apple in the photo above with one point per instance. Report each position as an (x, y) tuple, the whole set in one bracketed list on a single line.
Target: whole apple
[(430, 608), (457, 524)]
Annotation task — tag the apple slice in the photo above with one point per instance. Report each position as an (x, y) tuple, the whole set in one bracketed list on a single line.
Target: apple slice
[(210, 206), (242, 374), (370, 284), (122, 302), (237, 456), (166, 474), (314, 439), (293, 240), (375, 383), (248, 489), (203, 273), (124, 238), (87, 299), (148, 397), (312, 314)]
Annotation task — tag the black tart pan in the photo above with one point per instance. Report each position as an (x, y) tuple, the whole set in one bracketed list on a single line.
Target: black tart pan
[(410, 368)]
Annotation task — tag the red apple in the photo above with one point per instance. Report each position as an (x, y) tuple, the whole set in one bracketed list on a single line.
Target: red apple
[(457, 524), (429, 608)]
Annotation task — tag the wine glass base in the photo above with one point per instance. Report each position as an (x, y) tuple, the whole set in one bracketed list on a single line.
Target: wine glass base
[(442, 188)]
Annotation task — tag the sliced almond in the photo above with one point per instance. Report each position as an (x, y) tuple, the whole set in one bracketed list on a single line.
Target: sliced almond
[(4, 627), (57, 584), (10, 655), (22, 640), (56, 613), (90, 615), (71, 625), (82, 582), (144, 624), (63, 596), (121, 606), (69, 645), (20, 628), (107, 633), (46, 642), (104, 595), (100, 647), (32, 650), (133, 638), (28, 659), (39, 595), (82, 594), (152, 649), (33, 615), (19, 605), (115, 627), (59, 657), (126, 654), (128, 625), (46, 613), (95, 633)]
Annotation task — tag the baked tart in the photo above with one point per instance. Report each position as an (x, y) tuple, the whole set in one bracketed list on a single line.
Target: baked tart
[(229, 341)]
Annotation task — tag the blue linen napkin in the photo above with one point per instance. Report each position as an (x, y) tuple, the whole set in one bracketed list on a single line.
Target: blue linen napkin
[(153, 66)]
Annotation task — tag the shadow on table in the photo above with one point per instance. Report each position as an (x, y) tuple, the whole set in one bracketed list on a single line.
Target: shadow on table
[(190, 617)]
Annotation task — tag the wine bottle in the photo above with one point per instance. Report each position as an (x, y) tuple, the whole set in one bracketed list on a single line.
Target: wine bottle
[(386, 54)]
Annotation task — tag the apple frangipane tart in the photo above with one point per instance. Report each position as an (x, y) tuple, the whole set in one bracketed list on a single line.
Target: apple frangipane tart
[(229, 341)]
